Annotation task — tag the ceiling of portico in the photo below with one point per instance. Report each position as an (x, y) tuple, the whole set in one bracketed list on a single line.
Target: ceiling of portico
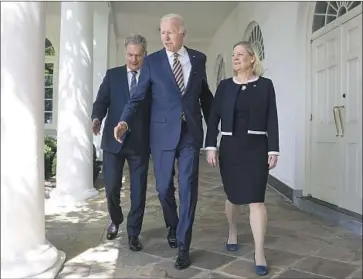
[(202, 18)]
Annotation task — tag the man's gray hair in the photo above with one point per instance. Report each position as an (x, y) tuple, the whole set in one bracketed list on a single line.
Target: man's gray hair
[(177, 18), (136, 39)]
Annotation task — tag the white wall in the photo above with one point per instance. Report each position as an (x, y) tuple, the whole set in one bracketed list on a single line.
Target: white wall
[(284, 64)]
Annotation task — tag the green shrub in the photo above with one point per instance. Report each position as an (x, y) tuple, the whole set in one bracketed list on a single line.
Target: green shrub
[(48, 158), (54, 165), (50, 149), (51, 142)]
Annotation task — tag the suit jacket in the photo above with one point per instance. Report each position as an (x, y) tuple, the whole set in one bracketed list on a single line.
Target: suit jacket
[(112, 97), (263, 118), (167, 104)]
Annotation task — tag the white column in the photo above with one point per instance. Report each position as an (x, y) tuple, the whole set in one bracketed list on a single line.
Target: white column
[(100, 55), (112, 46), (25, 252), (74, 133)]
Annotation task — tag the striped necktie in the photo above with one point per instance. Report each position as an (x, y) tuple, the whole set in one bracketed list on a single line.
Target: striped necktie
[(133, 83), (179, 77), (178, 73)]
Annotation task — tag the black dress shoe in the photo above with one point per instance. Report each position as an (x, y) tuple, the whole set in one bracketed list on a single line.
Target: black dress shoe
[(183, 259), (112, 231), (172, 238), (134, 243)]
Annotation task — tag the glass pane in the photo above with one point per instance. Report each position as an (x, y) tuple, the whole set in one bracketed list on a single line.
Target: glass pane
[(48, 105), (49, 49), (47, 43), (48, 117), (48, 93), (48, 80), (354, 4), (319, 22), (342, 11), (48, 69), (330, 19), (320, 7), (334, 4), (332, 10)]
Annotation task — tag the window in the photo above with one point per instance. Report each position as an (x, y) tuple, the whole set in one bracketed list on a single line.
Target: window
[(49, 82), (220, 69), (253, 34), (328, 11)]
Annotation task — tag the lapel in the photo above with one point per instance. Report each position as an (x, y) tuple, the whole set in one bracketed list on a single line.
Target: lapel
[(167, 69), (192, 59), (124, 82)]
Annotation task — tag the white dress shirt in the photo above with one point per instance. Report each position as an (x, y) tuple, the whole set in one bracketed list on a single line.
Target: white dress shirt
[(184, 61)]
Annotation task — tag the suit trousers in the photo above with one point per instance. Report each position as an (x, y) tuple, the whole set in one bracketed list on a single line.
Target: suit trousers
[(113, 165), (187, 156)]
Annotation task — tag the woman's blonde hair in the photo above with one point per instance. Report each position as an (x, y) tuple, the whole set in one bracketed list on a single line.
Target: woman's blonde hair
[(257, 68)]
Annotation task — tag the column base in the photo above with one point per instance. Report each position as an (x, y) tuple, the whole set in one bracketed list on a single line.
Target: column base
[(44, 262), (68, 200)]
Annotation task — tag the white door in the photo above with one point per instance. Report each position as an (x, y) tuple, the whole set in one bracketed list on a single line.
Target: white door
[(351, 114), (325, 174), (336, 166)]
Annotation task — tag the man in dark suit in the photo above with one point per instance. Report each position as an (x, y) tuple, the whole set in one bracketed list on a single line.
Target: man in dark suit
[(175, 78), (116, 89)]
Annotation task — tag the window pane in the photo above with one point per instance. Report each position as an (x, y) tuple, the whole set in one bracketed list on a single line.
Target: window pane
[(48, 117), (319, 22), (48, 69), (49, 49), (320, 7), (48, 105), (354, 4), (330, 19), (48, 93), (48, 80)]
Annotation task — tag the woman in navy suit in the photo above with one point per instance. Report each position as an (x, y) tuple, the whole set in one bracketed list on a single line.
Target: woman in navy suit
[(246, 107)]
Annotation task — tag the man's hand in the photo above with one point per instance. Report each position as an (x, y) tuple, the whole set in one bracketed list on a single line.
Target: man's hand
[(119, 130), (272, 161), (212, 157), (96, 126)]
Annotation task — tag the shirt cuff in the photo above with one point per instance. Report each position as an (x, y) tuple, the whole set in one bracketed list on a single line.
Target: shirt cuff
[(273, 153), (210, 148)]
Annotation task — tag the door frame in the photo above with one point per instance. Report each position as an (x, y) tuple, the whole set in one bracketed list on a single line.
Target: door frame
[(309, 81)]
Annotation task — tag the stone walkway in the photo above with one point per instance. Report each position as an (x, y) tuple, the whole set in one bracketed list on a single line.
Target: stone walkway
[(298, 245)]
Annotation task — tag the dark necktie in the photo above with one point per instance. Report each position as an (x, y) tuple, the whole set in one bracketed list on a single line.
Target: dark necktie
[(178, 73), (179, 77), (133, 83)]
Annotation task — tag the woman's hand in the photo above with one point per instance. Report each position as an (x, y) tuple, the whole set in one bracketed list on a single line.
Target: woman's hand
[(272, 161), (212, 157)]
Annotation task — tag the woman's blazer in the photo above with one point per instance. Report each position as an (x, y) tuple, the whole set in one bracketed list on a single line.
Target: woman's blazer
[(263, 118)]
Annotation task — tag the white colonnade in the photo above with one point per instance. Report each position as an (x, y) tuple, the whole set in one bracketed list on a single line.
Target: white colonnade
[(75, 98), (25, 252)]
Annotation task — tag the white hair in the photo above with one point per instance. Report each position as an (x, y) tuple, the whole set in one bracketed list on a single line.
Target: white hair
[(136, 39), (178, 18)]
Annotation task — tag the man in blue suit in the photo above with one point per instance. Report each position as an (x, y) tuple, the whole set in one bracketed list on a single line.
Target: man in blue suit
[(175, 78), (116, 89)]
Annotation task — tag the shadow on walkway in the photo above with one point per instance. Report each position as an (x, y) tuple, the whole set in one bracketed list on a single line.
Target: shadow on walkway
[(298, 245)]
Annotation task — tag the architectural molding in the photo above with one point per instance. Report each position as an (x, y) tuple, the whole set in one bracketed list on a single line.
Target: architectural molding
[(332, 213)]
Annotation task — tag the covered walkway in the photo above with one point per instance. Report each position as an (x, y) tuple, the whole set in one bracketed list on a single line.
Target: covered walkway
[(298, 245)]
